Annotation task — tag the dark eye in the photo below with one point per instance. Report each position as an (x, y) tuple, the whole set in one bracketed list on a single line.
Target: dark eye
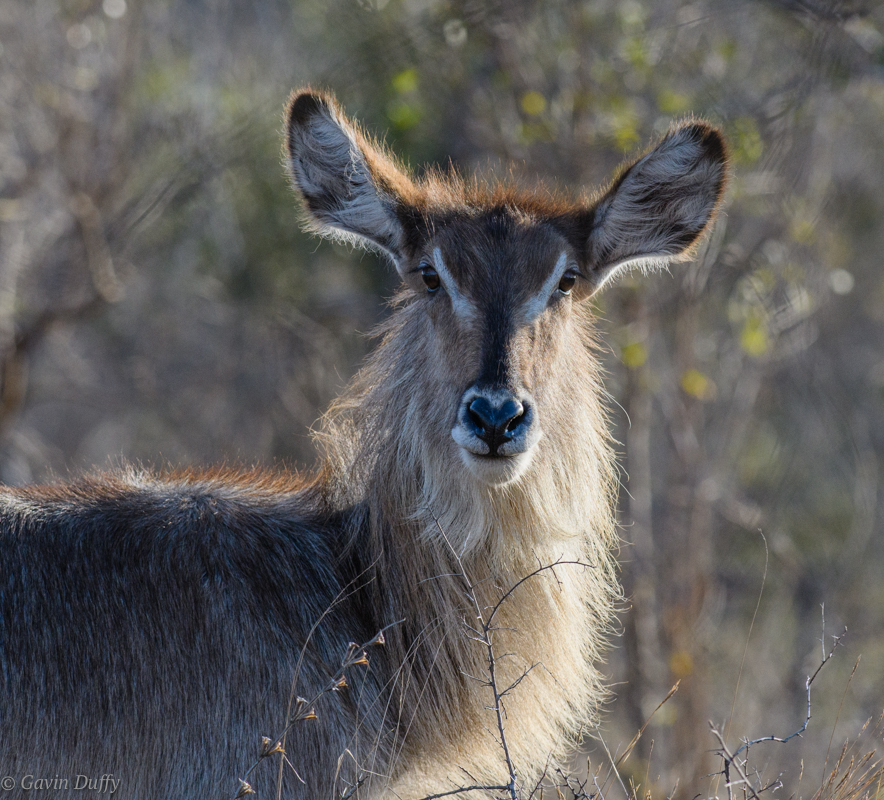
[(566, 284), (430, 277)]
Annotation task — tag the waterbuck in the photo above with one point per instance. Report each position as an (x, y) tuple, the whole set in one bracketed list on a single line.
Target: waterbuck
[(154, 627)]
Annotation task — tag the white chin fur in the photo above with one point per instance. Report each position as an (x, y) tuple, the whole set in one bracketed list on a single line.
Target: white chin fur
[(497, 471)]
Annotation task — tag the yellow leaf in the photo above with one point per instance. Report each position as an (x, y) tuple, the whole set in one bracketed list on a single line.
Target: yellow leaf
[(403, 115), (633, 355), (405, 81), (753, 337), (681, 664), (533, 103), (696, 384), (625, 135), (803, 230), (746, 144), (673, 102)]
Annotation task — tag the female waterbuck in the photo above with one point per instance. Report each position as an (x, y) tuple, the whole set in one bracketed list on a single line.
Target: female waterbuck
[(155, 626)]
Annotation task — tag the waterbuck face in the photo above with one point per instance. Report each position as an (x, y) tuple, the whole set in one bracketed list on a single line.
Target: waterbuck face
[(497, 289), (497, 276)]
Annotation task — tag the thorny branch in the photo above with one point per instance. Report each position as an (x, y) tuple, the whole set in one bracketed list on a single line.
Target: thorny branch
[(731, 759), (527, 577), (484, 635), (360, 780), (464, 789)]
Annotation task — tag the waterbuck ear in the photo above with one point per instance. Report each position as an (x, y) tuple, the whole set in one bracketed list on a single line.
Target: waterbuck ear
[(352, 189), (660, 205)]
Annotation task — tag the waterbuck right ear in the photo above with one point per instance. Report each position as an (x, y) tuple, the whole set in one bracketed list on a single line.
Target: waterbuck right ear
[(352, 189), (659, 206)]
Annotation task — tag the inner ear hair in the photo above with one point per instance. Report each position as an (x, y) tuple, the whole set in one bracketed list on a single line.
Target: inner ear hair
[(659, 206), (352, 188)]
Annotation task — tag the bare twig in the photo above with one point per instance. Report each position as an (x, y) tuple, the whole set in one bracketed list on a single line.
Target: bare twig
[(807, 684), (496, 607), (464, 789), (305, 709), (638, 735), (360, 780), (485, 635), (732, 759)]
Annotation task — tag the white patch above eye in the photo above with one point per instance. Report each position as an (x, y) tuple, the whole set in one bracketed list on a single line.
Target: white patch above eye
[(534, 307), (461, 306)]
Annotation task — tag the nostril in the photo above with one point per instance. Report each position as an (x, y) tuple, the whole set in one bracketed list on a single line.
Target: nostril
[(509, 415), (490, 420), (481, 415), (515, 422), (498, 419)]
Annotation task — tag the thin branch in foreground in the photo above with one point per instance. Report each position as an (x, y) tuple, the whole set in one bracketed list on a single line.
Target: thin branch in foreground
[(731, 760), (305, 709), (485, 635), (360, 780), (463, 789), (836, 641)]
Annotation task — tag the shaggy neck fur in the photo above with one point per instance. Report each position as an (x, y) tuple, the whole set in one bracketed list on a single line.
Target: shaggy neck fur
[(425, 522)]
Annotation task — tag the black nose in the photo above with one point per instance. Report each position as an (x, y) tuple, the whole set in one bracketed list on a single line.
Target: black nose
[(496, 424)]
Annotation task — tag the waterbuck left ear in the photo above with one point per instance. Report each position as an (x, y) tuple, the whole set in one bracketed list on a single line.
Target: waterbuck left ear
[(660, 205), (352, 189)]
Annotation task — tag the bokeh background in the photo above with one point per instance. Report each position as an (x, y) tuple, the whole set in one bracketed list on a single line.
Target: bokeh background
[(159, 304)]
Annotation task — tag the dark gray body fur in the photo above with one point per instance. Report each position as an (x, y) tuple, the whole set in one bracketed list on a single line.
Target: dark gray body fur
[(178, 613)]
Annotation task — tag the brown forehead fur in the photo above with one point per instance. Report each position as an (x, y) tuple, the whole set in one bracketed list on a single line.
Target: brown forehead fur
[(498, 210)]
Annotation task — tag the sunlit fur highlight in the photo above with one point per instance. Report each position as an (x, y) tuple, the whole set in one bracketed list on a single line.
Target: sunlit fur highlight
[(423, 505)]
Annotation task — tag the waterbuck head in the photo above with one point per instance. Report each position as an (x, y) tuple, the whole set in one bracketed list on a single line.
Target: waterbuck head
[(492, 344)]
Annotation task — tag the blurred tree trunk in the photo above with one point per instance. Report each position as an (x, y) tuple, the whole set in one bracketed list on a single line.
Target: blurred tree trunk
[(646, 672), (689, 560)]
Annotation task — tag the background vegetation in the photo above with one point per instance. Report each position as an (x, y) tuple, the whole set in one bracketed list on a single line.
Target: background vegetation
[(158, 302)]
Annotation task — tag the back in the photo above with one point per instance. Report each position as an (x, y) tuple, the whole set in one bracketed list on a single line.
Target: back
[(137, 614)]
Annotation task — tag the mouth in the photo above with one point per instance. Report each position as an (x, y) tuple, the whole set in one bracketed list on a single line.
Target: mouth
[(496, 470)]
